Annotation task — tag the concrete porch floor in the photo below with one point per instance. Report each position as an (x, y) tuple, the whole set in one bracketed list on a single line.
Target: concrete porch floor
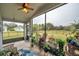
[(26, 45)]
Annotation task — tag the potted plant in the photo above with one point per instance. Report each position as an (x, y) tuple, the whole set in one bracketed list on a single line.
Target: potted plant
[(61, 44)]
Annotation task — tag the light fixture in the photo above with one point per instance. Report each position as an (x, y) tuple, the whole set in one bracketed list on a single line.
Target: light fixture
[(26, 7), (25, 10)]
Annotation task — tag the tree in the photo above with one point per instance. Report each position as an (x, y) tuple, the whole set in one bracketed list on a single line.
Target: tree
[(76, 24), (35, 27), (49, 26), (20, 27), (10, 26), (61, 27)]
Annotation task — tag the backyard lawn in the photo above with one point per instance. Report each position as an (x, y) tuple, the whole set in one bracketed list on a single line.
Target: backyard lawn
[(12, 34), (57, 34)]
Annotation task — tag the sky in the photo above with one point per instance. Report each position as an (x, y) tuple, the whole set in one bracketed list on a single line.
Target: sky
[(64, 15)]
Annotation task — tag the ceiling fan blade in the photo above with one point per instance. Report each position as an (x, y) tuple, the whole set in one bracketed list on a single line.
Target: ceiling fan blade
[(20, 8), (30, 8), (27, 6)]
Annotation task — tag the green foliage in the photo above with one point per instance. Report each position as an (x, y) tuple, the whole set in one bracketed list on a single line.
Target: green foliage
[(9, 51), (61, 44), (10, 26), (70, 38), (72, 28), (60, 41), (49, 26), (46, 46), (2, 53), (10, 29), (35, 27), (34, 41), (77, 26)]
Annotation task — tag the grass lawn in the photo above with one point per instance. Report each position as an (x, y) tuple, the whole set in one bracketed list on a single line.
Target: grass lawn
[(58, 34), (12, 34)]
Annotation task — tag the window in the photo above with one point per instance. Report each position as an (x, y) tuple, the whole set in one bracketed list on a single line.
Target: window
[(12, 30)]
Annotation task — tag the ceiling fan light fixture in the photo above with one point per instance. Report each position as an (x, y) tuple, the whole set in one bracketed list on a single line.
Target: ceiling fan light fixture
[(25, 10)]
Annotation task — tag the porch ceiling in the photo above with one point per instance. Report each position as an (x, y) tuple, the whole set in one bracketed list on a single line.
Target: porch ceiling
[(9, 11)]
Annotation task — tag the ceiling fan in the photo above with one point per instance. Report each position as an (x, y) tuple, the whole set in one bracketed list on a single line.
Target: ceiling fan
[(26, 7)]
